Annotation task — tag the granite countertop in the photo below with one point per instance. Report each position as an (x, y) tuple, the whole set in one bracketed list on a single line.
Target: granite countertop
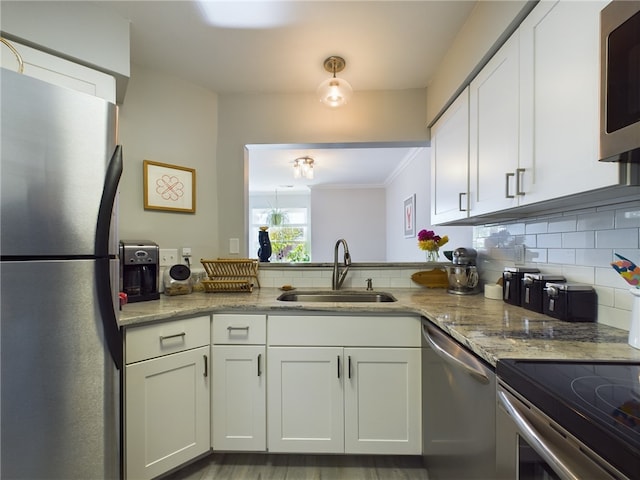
[(490, 328)]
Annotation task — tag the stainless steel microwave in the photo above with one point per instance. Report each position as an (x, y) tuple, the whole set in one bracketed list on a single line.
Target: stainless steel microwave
[(620, 81)]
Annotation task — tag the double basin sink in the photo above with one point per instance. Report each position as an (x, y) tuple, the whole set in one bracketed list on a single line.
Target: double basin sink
[(337, 296)]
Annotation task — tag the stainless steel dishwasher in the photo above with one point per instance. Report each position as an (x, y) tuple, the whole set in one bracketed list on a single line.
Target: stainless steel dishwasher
[(459, 409)]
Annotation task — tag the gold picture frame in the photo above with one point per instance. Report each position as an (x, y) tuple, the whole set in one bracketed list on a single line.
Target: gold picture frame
[(169, 187)]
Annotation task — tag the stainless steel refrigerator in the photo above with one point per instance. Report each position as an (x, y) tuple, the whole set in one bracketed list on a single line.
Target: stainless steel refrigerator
[(61, 346)]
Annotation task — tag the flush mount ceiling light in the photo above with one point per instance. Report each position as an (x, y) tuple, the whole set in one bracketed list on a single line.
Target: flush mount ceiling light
[(303, 168), (334, 91)]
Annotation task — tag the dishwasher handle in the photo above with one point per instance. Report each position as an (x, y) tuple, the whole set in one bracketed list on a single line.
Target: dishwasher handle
[(534, 439), (441, 346)]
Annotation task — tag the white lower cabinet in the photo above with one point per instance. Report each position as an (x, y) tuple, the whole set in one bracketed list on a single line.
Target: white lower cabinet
[(238, 406), (355, 396), (382, 401), (166, 396), (238, 394), (305, 398)]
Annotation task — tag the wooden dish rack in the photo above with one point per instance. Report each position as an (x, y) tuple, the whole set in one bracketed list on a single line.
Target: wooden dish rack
[(230, 274)]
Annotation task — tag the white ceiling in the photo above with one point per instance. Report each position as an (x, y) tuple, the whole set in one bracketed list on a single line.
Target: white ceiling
[(387, 45), (271, 167)]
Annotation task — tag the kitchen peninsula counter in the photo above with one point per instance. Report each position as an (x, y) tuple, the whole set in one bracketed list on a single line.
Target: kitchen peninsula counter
[(490, 328)]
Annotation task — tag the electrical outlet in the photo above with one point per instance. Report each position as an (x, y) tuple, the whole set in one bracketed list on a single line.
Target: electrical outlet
[(168, 257), (518, 254), (186, 251)]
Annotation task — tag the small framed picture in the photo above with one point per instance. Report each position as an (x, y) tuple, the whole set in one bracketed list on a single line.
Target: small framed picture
[(409, 216), (169, 187)]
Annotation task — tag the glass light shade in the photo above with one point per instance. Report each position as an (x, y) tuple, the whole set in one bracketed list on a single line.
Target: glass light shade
[(335, 92), (309, 172)]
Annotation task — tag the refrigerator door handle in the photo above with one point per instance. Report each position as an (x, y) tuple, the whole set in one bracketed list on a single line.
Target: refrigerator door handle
[(109, 192), (112, 333)]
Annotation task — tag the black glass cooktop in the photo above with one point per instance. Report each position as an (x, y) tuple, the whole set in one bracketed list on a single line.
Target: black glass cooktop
[(598, 402)]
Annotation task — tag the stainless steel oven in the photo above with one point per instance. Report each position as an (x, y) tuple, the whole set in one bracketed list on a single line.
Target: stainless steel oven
[(567, 420), (620, 81)]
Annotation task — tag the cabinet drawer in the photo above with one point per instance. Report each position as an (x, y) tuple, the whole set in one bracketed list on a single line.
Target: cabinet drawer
[(159, 339), (239, 329), (331, 330)]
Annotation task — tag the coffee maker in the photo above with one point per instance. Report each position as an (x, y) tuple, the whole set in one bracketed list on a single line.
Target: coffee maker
[(139, 270)]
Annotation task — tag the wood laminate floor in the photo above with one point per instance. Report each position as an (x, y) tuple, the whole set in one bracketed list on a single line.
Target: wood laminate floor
[(236, 466)]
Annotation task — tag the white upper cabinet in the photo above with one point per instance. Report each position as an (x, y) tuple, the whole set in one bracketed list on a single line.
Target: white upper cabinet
[(494, 173), (559, 101), (450, 162), (58, 71), (532, 123)]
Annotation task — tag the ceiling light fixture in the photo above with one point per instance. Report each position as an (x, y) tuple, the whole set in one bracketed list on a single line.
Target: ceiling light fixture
[(303, 168), (334, 91)]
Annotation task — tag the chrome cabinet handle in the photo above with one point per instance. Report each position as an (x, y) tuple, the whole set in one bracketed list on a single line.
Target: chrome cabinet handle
[(167, 337), (259, 367), (206, 365), (535, 441), (519, 172), (506, 193), (230, 328), (460, 202)]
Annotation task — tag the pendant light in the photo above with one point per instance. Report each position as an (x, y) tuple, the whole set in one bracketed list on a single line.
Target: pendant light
[(334, 92)]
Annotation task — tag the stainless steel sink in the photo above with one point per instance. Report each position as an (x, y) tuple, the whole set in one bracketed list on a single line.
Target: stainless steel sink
[(337, 296)]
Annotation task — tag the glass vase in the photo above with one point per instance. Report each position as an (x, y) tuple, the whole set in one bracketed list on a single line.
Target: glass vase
[(433, 255)]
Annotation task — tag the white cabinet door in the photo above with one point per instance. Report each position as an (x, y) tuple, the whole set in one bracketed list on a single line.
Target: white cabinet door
[(238, 398), (450, 163), (383, 401), (494, 177), (560, 101), (61, 72), (167, 412), (305, 400)]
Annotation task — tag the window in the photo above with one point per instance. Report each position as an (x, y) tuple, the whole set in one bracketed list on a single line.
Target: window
[(289, 232)]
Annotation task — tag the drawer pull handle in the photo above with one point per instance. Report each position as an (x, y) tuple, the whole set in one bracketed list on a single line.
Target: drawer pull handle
[(206, 365), (167, 337), (231, 329)]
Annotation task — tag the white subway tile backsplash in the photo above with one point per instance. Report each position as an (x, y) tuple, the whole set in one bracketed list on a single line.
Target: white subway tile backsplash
[(550, 240), (595, 221), (574, 273), (623, 299), (563, 224), (620, 238), (598, 257), (536, 255), (628, 217), (614, 317), (561, 255), (578, 240), (535, 227), (606, 296)]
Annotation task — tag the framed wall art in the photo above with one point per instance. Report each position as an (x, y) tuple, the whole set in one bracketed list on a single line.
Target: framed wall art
[(409, 216), (169, 187)]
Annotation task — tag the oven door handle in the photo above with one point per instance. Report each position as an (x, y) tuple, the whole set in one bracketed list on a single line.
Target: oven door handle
[(535, 441)]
